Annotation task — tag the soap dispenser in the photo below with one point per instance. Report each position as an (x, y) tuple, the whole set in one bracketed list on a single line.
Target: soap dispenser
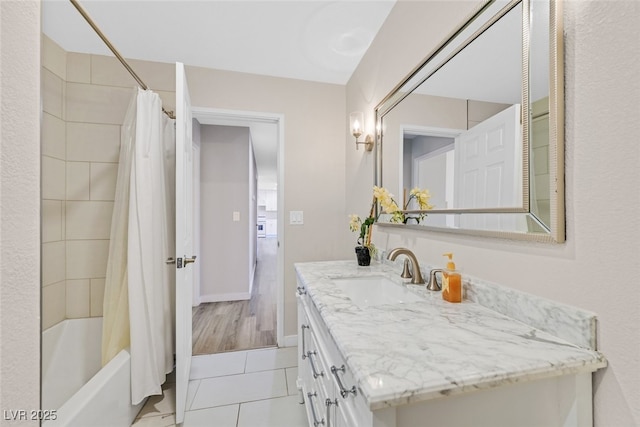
[(451, 282)]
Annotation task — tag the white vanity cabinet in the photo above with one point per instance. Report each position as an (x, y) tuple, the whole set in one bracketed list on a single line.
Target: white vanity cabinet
[(413, 365), (328, 387)]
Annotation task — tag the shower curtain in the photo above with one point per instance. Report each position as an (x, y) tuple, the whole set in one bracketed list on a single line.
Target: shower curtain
[(139, 287)]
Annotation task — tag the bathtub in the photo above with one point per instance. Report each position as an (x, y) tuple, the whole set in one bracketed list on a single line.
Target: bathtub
[(74, 386)]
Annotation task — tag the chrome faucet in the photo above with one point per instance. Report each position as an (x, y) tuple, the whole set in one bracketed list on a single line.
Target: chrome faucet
[(417, 276), (433, 284)]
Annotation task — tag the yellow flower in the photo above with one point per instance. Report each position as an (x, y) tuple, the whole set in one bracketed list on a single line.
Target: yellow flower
[(389, 205), (386, 200), (354, 222), (422, 196)]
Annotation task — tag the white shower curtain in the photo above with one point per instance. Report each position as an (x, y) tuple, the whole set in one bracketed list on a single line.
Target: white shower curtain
[(143, 278), (115, 308)]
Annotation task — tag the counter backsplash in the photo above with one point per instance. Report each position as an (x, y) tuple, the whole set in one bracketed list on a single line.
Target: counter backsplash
[(570, 323)]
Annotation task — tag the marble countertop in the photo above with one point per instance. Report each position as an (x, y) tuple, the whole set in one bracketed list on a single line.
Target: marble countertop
[(410, 352)]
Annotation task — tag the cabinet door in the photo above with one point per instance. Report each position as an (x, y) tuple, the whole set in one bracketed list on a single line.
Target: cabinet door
[(341, 417)]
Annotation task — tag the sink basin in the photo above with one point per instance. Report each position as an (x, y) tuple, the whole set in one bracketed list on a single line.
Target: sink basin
[(374, 290)]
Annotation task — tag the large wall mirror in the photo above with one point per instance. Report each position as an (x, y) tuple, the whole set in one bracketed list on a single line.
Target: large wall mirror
[(480, 125)]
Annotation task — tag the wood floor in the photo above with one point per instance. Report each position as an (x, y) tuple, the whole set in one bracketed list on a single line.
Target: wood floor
[(241, 325)]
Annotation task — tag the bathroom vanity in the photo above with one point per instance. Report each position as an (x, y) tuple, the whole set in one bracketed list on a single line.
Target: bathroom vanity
[(375, 351)]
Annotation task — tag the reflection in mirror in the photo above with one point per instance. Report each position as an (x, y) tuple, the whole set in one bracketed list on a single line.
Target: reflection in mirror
[(456, 128)]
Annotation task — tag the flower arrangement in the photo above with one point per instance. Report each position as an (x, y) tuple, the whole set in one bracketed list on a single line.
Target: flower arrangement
[(389, 206), (364, 228)]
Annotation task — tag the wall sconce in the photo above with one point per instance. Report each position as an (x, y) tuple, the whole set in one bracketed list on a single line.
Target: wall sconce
[(356, 124)]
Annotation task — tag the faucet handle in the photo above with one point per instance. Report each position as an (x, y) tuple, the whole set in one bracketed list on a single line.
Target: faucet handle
[(406, 271), (433, 284)]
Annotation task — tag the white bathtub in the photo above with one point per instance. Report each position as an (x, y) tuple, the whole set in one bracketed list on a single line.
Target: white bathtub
[(73, 384)]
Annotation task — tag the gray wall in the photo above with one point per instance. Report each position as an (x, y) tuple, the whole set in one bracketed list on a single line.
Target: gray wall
[(224, 189)]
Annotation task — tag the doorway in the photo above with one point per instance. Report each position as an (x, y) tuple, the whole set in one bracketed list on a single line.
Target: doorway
[(253, 318)]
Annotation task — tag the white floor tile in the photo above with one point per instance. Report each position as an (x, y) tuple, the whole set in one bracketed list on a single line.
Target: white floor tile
[(216, 365), (272, 358), (292, 376), (281, 412), (168, 420), (192, 388), (222, 416), (240, 388)]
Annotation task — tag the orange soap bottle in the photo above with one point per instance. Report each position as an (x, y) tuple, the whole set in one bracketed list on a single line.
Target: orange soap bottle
[(451, 282)]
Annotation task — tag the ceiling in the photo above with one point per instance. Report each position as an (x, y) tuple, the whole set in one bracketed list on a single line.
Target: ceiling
[(320, 41)]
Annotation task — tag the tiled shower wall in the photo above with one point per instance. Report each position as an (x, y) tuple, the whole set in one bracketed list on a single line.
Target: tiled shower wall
[(53, 135), (85, 98)]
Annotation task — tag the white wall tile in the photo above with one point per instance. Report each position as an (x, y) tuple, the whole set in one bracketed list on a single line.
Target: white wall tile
[(54, 310), (88, 142), (97, 104), (77, 298), (107, 70), (544, 210), (53, 57), (52, 93), (543, 186), (78, 181), (51, 220), (53, 178), (88, 220), (53, 137), (103, 181), (53, 264), (541, 160), (97, 297), (78, 67), (87, 258)]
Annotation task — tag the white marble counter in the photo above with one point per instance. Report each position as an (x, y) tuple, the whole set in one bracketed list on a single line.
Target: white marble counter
[(416, 351)]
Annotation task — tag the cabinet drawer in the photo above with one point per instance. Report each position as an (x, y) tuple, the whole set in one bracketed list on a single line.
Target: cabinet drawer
[(315, 404), (329, 385)]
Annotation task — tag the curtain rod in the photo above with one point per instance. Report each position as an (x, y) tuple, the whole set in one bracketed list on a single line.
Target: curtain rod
[(111, 47)]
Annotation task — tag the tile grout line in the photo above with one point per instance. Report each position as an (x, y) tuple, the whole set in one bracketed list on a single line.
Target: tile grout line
[(195, 393), (286, 380)]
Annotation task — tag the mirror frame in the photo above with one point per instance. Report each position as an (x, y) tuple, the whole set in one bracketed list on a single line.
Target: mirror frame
[(555, 231)]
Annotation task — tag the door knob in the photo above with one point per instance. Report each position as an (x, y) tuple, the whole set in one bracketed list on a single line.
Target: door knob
[(189, 260)]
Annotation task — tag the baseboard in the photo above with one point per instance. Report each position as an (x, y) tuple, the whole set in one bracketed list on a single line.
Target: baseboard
[(197, 300), (252, 275), (238, 296), (290, 341)]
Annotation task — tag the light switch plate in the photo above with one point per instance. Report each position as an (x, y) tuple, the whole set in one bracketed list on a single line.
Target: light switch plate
[(236, 216), (296, 217)]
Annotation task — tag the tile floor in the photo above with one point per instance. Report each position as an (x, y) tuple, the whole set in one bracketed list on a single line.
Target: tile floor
[(254, 388)]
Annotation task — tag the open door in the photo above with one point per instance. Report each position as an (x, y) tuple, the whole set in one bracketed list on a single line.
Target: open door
[(184, 239), (489, 171)]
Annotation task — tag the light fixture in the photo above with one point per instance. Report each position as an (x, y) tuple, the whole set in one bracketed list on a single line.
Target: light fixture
[(356, 124)]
